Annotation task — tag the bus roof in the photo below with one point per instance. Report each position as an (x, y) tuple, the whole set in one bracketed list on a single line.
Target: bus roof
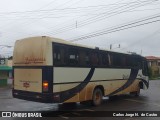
[(57, 40)]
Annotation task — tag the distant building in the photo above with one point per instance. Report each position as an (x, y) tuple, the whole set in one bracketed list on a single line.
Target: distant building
[(5, 71), (154, 64)]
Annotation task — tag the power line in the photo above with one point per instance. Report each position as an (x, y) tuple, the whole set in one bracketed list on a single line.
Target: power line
[(64, 23), (78, 39), (80, 25), (49, 13), (63, 9), (28, 22), (98, 18), (83, 15), (145, 38), (48, 5), (37, 9), (119, 28), (73, 25), (128, 23)]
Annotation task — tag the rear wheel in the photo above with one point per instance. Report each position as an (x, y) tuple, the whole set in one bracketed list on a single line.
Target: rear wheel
[(97, 97)]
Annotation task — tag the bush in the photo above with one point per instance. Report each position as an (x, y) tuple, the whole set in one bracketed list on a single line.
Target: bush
[(153, 76)]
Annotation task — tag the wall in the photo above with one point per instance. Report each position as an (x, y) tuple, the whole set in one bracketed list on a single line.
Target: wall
[(5, 72)]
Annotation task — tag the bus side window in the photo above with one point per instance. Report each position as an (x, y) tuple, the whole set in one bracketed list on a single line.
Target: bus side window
[(62, 52), (137, 62), (110, 59), (87, 60), (105, 61), (73, 56), (129, 61), (145, 68), (83, 57), (58, 55), (117, 60), (113, 60), (94, 59), (123, 61)]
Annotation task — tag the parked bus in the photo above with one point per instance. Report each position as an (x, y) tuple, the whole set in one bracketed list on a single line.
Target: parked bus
[(52, 70)]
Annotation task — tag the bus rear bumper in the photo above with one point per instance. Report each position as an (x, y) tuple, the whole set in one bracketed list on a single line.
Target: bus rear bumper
[(35, 96)]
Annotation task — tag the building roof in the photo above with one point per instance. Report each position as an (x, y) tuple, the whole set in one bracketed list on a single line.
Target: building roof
[(5, 68), (152, 58)]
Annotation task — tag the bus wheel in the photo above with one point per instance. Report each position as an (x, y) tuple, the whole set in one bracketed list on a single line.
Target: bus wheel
[(97, 97)]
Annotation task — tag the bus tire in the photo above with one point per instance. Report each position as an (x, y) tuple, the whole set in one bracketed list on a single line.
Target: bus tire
[(97, 97)]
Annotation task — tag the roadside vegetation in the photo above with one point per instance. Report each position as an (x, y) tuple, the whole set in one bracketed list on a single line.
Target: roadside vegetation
[(153, 76)]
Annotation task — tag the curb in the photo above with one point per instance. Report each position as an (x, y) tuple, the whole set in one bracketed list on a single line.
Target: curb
[(6, 87)]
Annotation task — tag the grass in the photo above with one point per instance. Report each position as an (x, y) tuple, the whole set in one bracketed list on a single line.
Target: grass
[(154, 78)]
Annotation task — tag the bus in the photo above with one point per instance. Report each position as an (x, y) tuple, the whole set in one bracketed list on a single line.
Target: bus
[(52, 70)]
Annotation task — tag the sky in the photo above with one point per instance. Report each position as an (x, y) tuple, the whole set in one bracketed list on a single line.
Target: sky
[(134, 24)]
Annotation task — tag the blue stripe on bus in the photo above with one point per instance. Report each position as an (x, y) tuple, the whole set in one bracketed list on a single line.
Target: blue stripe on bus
[(145, 82), (65, 95), (131, 79)]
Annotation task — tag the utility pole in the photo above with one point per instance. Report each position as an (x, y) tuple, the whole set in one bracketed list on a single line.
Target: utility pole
[(119, 46), (110, 46), (141, 51)]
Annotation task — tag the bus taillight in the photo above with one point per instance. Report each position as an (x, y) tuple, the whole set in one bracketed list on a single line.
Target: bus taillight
[(45, 86)]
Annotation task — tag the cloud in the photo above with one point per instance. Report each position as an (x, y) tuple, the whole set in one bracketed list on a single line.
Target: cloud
[(135, 39)]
